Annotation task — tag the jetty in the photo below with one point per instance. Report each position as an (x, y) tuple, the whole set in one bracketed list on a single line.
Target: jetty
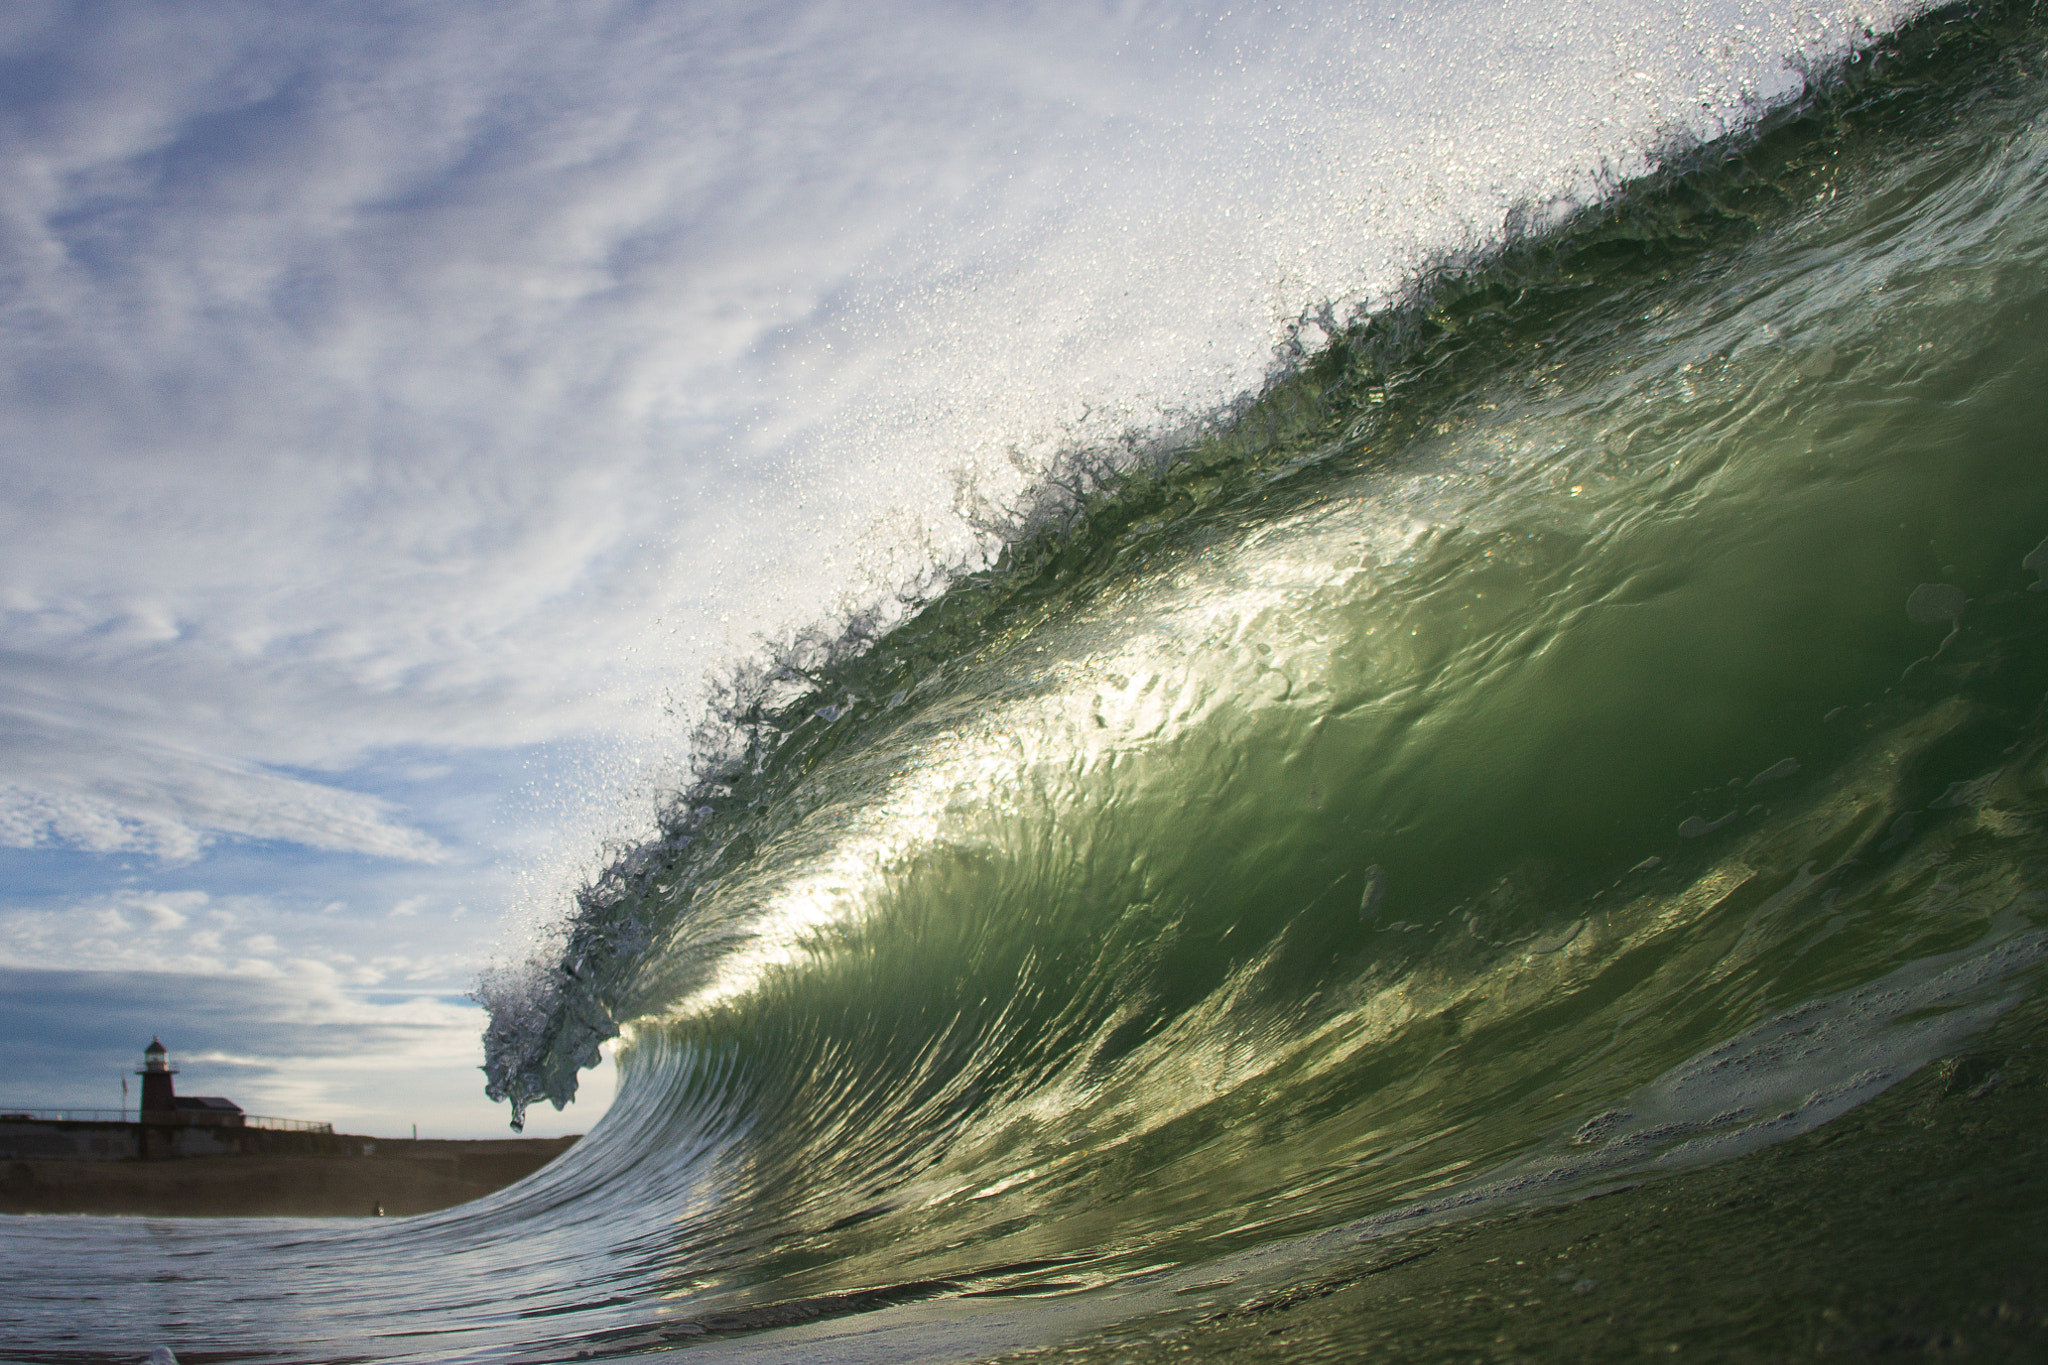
[(202, 1156)]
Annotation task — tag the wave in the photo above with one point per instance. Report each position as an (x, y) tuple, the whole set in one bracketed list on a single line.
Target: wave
[(1617, 641), (1579, 722)]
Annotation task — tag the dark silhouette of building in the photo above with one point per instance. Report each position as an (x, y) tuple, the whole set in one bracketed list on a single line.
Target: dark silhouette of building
[(156, 1073), (162, 1104), (167, 1125)]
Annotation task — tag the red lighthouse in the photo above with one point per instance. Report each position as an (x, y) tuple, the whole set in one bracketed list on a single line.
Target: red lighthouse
[(156, 1073)]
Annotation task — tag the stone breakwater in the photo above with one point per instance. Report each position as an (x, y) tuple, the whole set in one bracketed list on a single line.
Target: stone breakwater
[(398, 1177)]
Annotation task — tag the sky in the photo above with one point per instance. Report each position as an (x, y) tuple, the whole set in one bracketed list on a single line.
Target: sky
[(404, 407)]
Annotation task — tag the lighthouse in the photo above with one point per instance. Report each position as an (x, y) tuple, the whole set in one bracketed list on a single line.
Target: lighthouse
[(157, 1096), (161, 1104)]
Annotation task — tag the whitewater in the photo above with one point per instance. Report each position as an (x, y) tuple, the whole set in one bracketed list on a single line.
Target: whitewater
[(1508, 828)]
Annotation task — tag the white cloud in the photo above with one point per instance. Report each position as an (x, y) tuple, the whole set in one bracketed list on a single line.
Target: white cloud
[(195, 932), (170, 910), (379, 379), (108, 793)]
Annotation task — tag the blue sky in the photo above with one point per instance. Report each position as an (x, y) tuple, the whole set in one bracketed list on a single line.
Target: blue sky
[(400, 402)]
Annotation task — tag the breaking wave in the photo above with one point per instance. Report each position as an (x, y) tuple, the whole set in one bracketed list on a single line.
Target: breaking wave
[(1580, 720)]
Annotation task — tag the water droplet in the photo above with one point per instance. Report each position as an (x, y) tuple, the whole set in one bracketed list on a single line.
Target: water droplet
[(1375, 892), (2037, 560), (1819, 362), (1697, 825), (1932, 603)]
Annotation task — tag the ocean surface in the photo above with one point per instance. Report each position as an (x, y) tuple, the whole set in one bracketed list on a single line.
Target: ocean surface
[(1522, 838)]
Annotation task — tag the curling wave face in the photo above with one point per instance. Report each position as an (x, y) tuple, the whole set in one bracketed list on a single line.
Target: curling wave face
[(1622, 643), (1585, 720)]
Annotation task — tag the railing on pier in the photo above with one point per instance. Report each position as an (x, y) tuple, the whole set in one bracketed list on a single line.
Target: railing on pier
[(285, 1125), (198, 1118)]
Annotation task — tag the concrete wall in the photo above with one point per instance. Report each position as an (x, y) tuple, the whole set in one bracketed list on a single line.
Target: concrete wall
[(36, 1140), (401, 1177), (28, 1139)]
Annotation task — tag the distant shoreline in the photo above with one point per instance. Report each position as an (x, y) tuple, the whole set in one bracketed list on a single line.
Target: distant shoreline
[(402, 1176)]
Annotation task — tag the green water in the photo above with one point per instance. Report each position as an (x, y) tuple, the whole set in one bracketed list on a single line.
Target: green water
[(1915, 1228), (1581, 727)]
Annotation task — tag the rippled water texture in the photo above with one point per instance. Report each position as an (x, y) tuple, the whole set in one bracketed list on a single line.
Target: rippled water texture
[(1579, 729)]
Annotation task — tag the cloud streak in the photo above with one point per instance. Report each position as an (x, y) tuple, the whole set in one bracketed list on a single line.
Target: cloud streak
[(113, 793)]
